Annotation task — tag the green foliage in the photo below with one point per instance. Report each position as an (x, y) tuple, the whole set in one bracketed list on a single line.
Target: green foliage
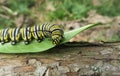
[(4, 23), (69, 9), (109, 7), (64, 9), (114, 38), (42, 46), (76, 9), (21, 6), (18, 6)]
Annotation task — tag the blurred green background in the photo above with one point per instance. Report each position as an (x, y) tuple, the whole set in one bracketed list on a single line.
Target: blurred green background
[(54, 10)]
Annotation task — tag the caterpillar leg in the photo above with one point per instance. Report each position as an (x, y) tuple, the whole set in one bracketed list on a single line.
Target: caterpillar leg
[(39, 40), (13, 43), (26, 42)]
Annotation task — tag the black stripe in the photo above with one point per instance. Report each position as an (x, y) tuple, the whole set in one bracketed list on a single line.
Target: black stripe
[(14, 34), (57, 29), (58, 35), (52, 26), (43, 29), (36, 32), (26, 33), (4, 34)]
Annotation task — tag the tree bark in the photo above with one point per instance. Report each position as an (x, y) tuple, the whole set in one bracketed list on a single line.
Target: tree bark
[(70, 59)]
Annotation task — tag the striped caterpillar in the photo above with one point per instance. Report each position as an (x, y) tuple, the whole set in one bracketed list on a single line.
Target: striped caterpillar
[(27, 34)]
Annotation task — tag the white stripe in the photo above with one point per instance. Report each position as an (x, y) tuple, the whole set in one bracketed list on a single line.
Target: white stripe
[(5, 33)]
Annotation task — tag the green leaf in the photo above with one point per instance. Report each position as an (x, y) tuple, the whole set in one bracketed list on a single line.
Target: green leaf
[(46, 44)]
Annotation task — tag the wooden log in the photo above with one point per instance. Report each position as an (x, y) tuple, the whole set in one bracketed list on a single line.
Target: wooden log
[(70, 59)]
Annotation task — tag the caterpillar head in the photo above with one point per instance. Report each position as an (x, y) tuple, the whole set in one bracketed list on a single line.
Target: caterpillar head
[(56, 39)]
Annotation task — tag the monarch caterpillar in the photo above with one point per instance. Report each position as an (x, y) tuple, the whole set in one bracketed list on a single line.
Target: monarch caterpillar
[(27, 34)]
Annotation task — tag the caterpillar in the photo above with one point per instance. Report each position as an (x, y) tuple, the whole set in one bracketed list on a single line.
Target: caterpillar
[(29, 33)]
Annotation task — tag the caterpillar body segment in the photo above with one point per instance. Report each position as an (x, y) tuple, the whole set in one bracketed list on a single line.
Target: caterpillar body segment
[(37, 32), (14, 35), (26, 34), (4, 36)]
